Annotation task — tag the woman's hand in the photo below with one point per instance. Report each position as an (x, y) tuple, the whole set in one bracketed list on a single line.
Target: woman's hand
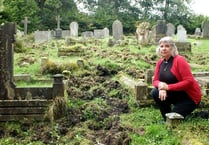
[(162, 86), (162, 95)]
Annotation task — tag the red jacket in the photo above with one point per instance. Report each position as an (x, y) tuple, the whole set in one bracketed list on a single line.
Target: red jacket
[(186, 81)]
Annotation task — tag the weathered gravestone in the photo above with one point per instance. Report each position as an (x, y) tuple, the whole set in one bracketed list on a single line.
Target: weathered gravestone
[(16, 103), (182, 44), (87, 34), (181, 34), (58, 31), (6, 61), (42, 36), (100, 33), (170, 30), (205, 29), (74, 29), (117, 30), (25, 22), (106, 32), (197, 32), (159, 30), (143, 34)]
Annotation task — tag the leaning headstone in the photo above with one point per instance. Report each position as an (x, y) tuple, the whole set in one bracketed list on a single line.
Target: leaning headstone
[(181, 34), (74, 29), (170, 30), (117, 30), (205, 29), (25, 22), (58, 31), (7, 38)]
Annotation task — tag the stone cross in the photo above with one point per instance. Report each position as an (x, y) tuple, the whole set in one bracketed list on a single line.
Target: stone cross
[(25, 22), (58, 19), (7, 39)]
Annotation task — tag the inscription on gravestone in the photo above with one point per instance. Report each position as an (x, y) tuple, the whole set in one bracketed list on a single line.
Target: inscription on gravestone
[(7, 39)]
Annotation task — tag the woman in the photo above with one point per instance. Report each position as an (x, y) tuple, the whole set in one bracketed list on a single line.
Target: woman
[(175, 89)]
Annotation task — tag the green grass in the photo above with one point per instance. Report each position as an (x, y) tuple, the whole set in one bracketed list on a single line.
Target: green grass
[(142, 124)]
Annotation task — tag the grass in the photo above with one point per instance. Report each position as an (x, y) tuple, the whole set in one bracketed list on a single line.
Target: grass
[(142, 123)]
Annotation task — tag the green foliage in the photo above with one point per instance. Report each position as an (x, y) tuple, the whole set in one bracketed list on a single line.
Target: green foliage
[(19, 47), (100, 14), (18, 10), (51, 67)]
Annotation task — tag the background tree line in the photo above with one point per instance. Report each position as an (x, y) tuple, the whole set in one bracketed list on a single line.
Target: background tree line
[(98, 13)]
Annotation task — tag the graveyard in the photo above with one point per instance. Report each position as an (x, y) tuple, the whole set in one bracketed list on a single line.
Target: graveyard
[(95, 88)]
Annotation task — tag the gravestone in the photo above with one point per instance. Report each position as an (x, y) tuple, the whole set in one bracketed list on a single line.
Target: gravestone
[(197, 32), (99, 33), (117, 30), (65, 33), (142, 33), (58, 31), (7, 85), (205, 29), (106, 32), (25, 22), (42, 36), (159, 30), (87, 34), (74, 29), (170, 30), (181, 34)]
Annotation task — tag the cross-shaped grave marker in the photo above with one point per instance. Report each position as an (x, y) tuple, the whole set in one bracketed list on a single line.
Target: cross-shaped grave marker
[(25, 22)]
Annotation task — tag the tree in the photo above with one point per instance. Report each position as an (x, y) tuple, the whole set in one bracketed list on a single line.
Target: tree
[(18, 10)]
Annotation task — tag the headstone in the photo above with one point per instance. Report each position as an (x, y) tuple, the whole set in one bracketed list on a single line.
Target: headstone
[(86, 34), (106, 32), (42, 36), (7, 39), (143, 33), (159, 30), (170, 30), (25, 22), (205, 29), (117, 30), (99, 33), (74, 29), (65, 33), (149, 76), (197, 32), (184, 47), (181, 34), (58, 31)]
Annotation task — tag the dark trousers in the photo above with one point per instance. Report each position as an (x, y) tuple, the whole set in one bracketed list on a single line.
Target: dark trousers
[(176, 101)]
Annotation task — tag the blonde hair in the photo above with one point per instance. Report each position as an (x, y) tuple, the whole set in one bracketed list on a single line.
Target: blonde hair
[(168, 40)]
